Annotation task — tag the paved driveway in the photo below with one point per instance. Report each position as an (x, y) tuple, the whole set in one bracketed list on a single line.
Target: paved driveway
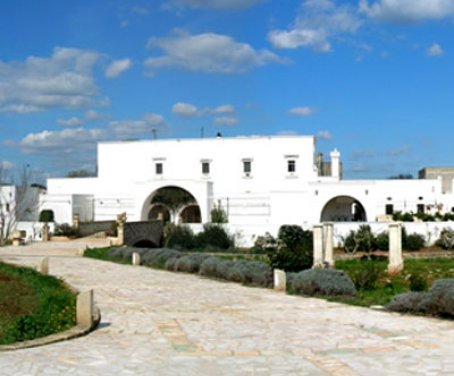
[(162, 323)]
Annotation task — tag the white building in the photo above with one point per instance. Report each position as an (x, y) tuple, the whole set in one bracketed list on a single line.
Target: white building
[(260, 182)]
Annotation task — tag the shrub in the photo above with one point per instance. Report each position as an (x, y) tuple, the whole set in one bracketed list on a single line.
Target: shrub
[(250, 273), (218, 215), (64, 229), (381, 241), (158, 257), (446, 239), (213, 236), (170, 264), (412, 242), (366, 277), (125, 253), (208, 267), (265, 244), (46, 215), (323, 282), (407, 302), (189, 263), (294, 250), (439, 300), (179, 237), (418, 282)]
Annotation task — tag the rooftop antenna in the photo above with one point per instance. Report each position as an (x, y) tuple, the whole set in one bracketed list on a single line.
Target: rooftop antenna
[(155, 133)]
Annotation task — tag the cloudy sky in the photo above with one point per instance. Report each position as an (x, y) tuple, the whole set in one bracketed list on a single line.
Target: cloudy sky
[(374, 78)]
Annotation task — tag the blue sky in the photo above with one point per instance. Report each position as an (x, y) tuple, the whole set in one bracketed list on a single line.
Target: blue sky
[(371, 78)]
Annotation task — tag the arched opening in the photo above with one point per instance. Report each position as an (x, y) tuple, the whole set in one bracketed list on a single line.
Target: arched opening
[(343, 209), (190, 214), (172, 204), (159, 212), (145, 244)]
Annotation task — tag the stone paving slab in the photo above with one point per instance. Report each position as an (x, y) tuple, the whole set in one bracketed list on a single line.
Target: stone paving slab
[(161, 323)]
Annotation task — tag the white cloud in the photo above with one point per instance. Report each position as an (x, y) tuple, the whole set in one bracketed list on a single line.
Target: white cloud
[(324, 135), (209, 52), (63, 80), (226, 120), (403, 150), (69, 140), (213, 4), (134, 128), (95, 115), (72, 122), (302, 111), (224, 109), (117, 67), (408, 10), (185, 110), (6, 165), (317, 22), (435, 50)]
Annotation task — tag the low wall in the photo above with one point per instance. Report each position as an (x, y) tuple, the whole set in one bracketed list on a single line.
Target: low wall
[(90, 228), (34, 230), (246, 235)]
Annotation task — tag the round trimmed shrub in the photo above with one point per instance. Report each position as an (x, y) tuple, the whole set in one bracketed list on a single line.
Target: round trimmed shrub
[(179, 237), (323, 282), (158, 257), (190, 263), (213, 236), (407, 302)]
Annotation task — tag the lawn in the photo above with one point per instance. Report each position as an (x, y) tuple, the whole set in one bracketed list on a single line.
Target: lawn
[(33, 305), (375, 287)]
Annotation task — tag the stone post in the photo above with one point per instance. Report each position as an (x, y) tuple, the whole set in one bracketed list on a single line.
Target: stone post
[(76, 221), (46, 236), (85, 309), (328, 244), (43, 266), (135, 259), (318, 246), (280, 280), (121, 219), (396, 262)]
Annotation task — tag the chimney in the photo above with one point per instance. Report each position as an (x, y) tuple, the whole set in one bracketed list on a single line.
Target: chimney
[(335, 164)]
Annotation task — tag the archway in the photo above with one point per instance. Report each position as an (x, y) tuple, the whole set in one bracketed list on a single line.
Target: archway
[(159, 212), (174, 204), (343, 209), (190, 214)]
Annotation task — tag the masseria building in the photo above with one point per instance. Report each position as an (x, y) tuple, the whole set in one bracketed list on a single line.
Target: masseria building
[(260, 183)]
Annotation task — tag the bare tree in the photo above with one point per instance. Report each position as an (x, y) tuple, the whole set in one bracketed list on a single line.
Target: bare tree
[(19, 200)]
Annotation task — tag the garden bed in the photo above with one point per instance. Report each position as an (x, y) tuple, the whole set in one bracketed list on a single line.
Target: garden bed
[(33, 305)]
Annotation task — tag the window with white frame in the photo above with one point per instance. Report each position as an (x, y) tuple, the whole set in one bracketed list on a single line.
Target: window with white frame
[(290, 161)]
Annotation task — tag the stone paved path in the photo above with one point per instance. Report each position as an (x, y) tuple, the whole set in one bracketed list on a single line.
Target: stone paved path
[(161, 323)]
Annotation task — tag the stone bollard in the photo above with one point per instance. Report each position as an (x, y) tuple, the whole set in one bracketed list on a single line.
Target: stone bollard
[(121, 219), (328, 243), (136, 259), (85, 309), (318, 246), (43, 266), (81, 252), (280, 280), (46, 236), (76, 221), (396, 262)]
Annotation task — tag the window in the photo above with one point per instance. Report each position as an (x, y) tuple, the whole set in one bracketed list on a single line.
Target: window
[(247, 167), (159, 168), (291, 166), (205, 168), (389, 209)]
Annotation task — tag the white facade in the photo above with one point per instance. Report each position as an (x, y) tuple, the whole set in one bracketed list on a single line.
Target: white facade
[(260, 182)]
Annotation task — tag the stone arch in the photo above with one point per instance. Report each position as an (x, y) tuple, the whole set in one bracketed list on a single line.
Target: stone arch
[(173, 198), (343, 209)]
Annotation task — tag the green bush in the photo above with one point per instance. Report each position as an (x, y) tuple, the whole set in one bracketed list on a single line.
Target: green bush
[(366, 276), (446, 239), (64, 229), (412, 242), (213, 236), (381, 241), (438, 301), (323, 282), (418, 282), (218, 215), (46, 215), (179, 237), (293, 251), (189, 263), (361, 240)]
